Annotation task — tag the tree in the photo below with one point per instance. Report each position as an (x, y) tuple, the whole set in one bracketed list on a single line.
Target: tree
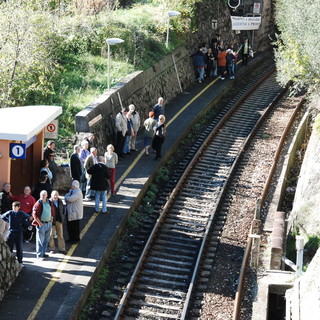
[(298, 43), (25, 61)]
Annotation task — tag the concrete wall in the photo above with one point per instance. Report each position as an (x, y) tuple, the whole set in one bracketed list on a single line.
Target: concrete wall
[(9, 268)]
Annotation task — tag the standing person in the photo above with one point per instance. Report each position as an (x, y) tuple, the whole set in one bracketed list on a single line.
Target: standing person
[(99, 182), (215, 52), (27, 201), (159, 136), (41, 185), (129, 134), (83, 156), (75, 163), (16, 219), (5, 205), (111, 159), (200, 64), (90, 138), (230, 58), (43, 213), (158, 109), (209, 62), (222, 63), (149, 125), (121, 127), (49, 154), (74, 211), (135, 117), (90, 161), (245, 47), (57, 223), (44, 166)]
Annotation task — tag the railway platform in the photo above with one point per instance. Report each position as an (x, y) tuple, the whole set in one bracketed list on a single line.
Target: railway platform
[(54, 288)]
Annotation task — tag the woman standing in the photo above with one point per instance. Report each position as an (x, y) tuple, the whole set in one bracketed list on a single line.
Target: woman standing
[(44, 166), (111, 159), (149, 126), (159, 135)]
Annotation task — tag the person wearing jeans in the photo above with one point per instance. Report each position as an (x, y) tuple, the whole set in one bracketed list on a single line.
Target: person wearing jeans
[(43, 213), (99, 182)]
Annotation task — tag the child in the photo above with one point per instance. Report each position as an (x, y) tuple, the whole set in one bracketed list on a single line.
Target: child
[(16, 219)]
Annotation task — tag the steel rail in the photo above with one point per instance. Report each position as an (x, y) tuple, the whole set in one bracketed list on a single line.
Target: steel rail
[(169, 202), (244, 265)]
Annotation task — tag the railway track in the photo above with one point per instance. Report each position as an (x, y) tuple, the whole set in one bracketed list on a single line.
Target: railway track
[(163, 281)]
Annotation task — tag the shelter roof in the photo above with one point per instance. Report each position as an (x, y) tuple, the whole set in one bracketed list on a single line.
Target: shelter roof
[(22, 123)]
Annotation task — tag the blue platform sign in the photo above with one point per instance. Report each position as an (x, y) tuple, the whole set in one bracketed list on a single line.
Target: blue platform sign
[(18, 151)]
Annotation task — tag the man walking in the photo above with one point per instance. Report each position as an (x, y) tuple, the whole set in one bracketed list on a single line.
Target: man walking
[(43, 213)]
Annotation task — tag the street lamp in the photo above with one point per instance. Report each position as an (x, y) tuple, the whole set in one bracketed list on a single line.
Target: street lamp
[(170, 14), (111, 42)]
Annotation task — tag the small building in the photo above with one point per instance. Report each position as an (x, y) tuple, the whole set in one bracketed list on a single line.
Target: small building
[(21, 143)]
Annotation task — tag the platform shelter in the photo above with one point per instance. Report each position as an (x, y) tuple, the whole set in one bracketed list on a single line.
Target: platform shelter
[(21, 143)]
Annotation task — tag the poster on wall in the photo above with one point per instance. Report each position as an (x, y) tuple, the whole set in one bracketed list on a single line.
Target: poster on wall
[(245, 23)]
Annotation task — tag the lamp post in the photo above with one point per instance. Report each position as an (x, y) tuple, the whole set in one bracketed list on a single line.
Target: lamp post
[(170, 14), (110, 42)]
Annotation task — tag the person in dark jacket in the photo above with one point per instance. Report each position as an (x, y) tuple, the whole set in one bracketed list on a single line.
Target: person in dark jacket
[(99, 182), (42, 185), (16, 218), (200, 64), (75, 164), (159, 136)]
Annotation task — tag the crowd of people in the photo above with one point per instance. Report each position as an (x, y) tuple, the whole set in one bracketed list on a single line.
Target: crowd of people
[(217, 59), (40, 210)]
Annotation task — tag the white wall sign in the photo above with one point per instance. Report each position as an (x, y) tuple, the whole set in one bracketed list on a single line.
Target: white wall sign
[(214, 24), (245, 23), (51, 130), (256, 8)]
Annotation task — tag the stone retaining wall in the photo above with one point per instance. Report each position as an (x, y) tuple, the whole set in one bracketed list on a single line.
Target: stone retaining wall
[(139, 88), (9, 268)]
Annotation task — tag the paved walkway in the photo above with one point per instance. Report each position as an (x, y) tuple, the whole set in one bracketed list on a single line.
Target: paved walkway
[(52, 288)]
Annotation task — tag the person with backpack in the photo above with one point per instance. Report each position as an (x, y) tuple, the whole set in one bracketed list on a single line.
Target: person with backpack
[(42, 213)]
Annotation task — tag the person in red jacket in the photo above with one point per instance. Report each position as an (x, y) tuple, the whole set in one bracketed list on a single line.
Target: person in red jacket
[(222, 63), (27, 201)]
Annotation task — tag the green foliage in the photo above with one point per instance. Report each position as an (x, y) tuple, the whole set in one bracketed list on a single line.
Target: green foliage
[(297, 55), (162, 176), (57, 57)]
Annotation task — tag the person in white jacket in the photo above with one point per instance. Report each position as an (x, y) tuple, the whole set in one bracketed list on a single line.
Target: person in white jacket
[(74, 201), (136, 126)]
